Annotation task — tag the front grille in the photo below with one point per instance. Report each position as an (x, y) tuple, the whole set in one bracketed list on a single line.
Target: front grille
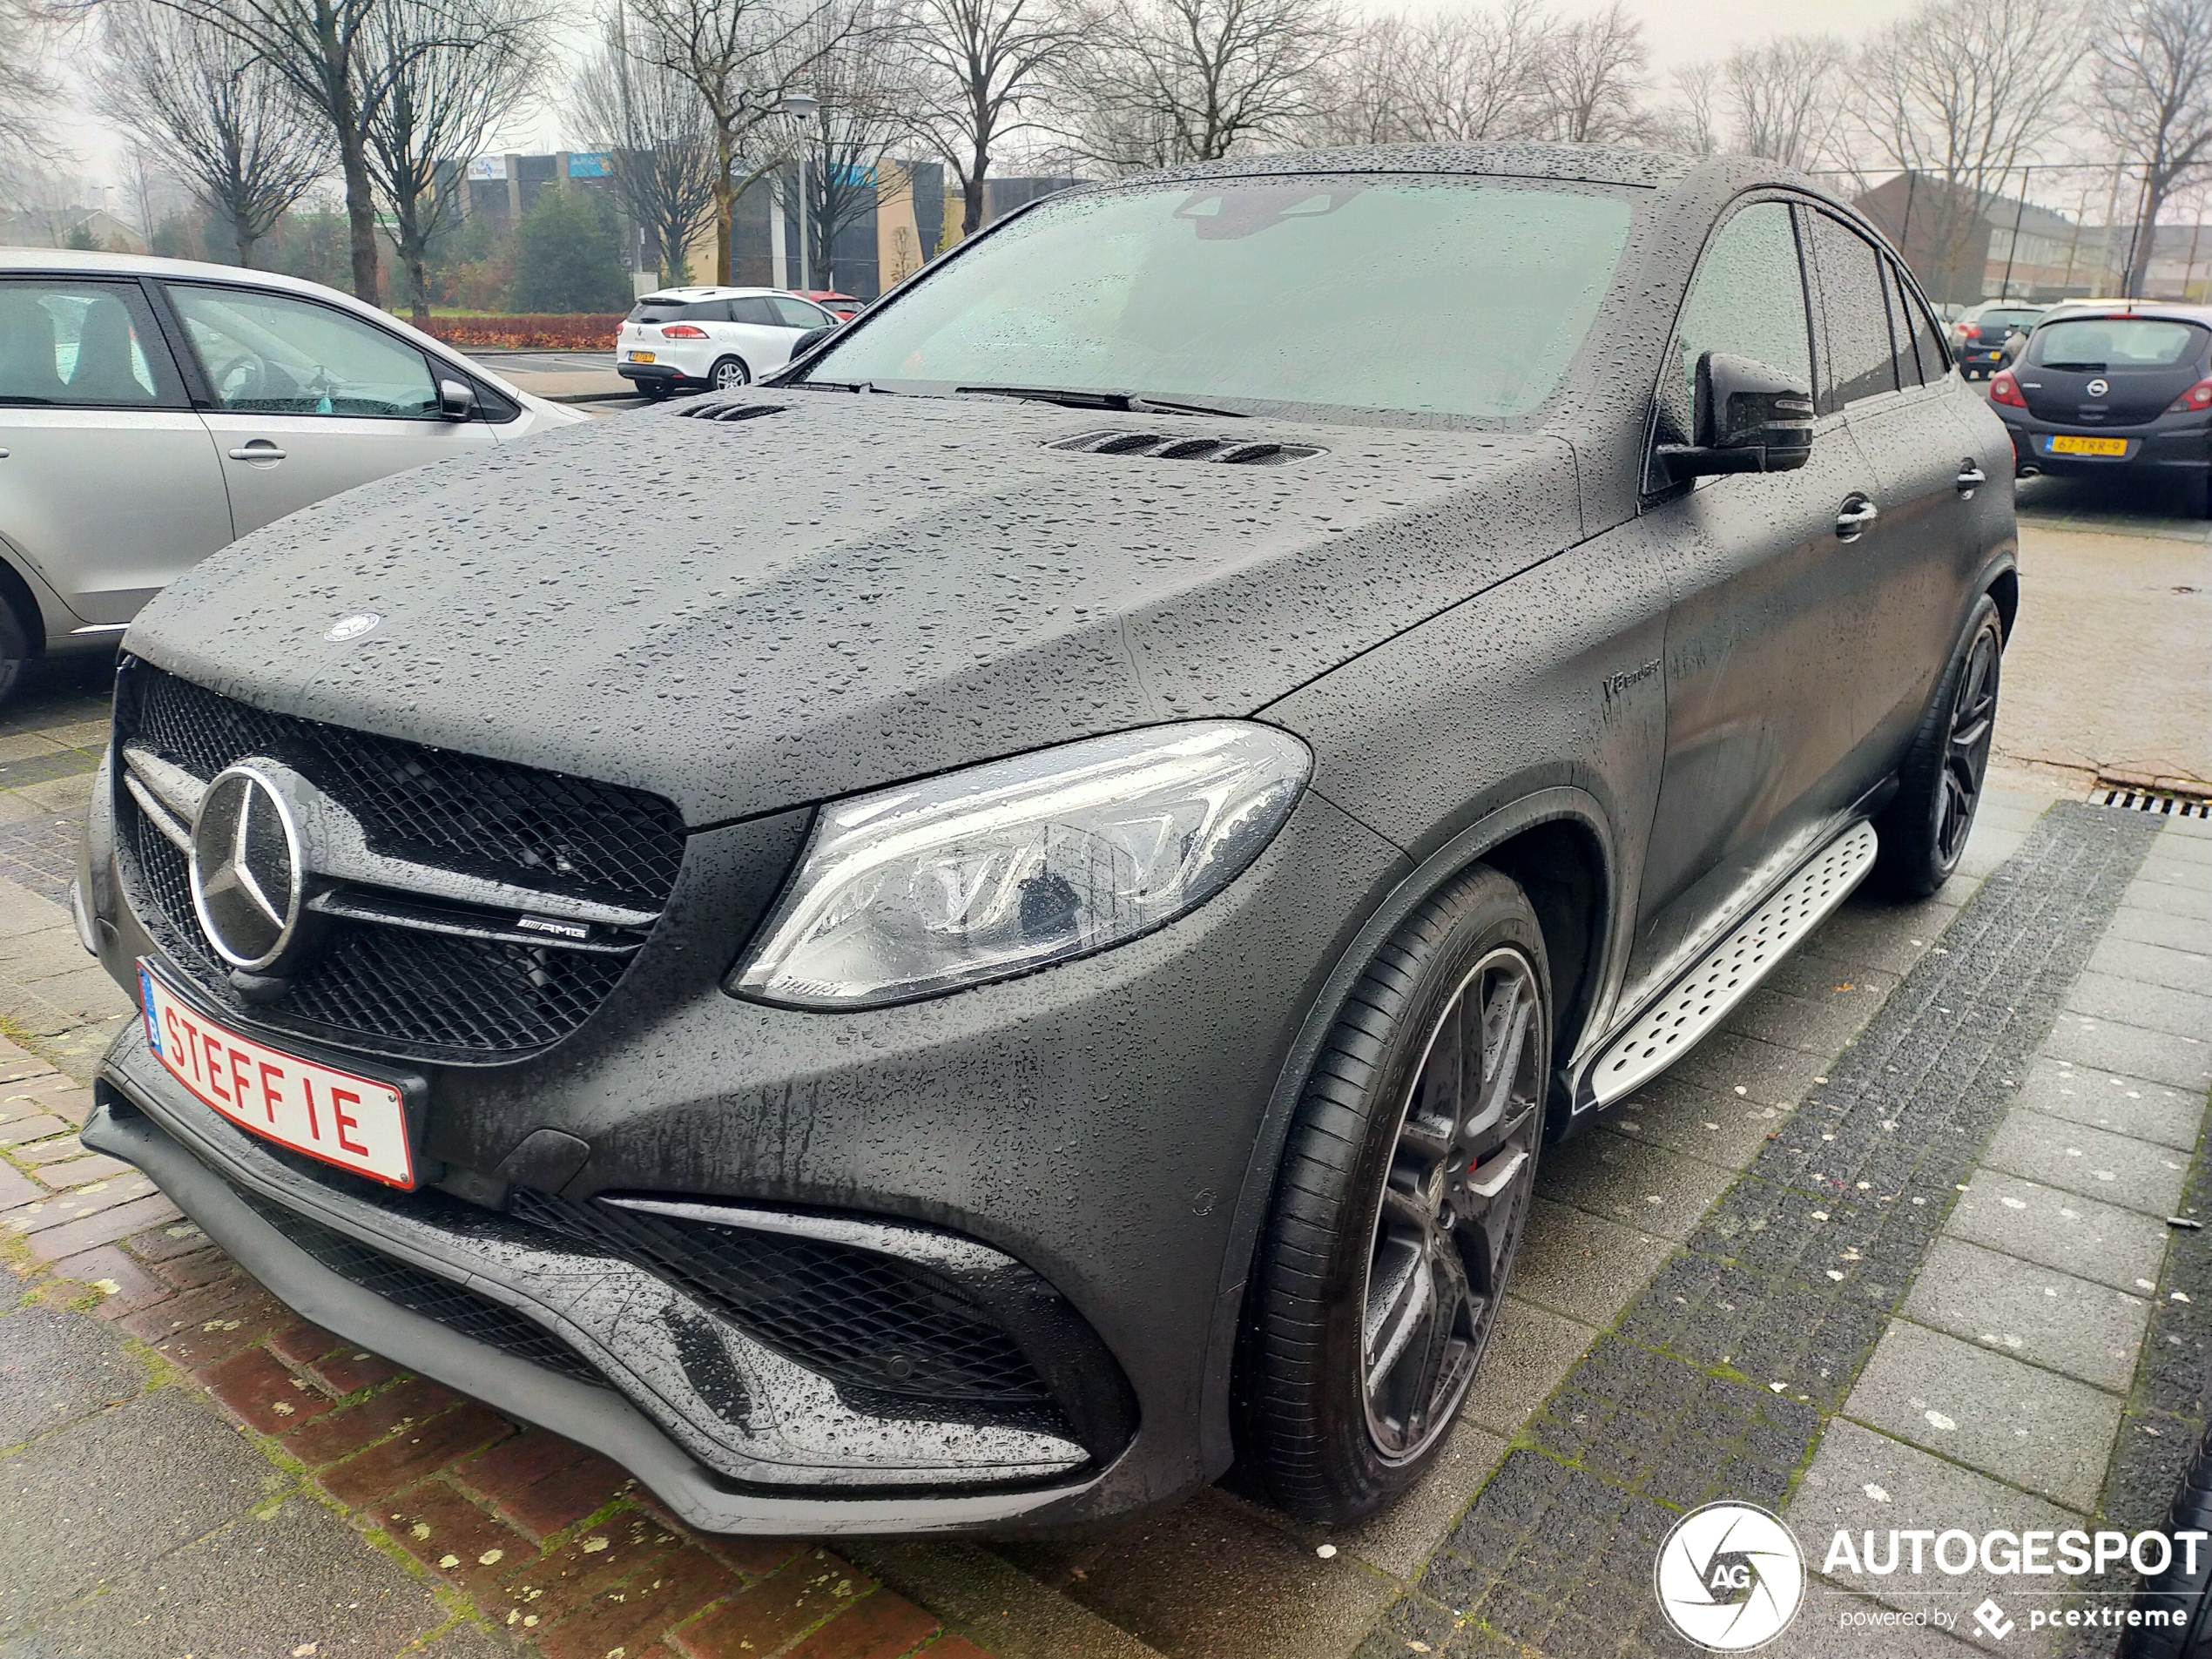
[(539, 829), (478, 1317), (867, 1321), (398, 990)]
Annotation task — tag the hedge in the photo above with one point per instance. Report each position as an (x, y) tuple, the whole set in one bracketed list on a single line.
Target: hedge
[(544, 330)]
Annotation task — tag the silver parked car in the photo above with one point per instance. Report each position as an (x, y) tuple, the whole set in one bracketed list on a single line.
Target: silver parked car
[(153, 409)]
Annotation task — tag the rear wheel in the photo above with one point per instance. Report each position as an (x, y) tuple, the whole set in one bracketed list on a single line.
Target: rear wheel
[(1405, 1187), (727, 374), (1924, 831), (14, 649)]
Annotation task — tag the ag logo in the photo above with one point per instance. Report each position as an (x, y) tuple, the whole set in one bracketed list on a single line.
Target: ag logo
[(1729, 1577)]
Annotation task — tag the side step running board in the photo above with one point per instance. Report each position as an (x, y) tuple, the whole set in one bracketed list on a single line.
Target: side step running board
[(1700, 1000)]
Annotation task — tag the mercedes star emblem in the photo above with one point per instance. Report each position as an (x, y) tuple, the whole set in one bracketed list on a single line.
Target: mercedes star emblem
[(248, 876), (352, 627)]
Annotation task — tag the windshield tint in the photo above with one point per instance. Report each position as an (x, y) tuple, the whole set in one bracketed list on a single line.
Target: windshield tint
[(2108, 343), (1443, 296)]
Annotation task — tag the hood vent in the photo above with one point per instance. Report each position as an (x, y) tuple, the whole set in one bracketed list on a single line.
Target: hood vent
[(1229, 452), (731, 411)]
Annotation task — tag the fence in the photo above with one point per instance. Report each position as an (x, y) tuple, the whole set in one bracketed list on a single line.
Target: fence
[(2038, 233)]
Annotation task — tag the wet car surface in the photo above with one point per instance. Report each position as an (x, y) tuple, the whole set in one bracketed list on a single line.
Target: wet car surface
[(974, 990)]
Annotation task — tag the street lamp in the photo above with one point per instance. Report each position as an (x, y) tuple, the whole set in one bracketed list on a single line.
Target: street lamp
[(799, 108)]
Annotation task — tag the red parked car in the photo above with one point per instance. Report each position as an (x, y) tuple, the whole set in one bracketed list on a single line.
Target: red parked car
[(844, 305)]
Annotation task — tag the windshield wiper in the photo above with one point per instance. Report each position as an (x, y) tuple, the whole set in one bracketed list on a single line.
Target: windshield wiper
[(1125, 403)]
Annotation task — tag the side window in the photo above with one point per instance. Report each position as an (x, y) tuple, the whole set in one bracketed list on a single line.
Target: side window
[(753, 310), (1862, 361), (1748, 297), (707, 311), (267, 353), (1908, 363), (82, 345), (1929, 339), (797, 313)]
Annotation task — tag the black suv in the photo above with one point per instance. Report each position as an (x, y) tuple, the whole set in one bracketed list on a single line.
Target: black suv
[(964, 939), (1982, 337), (2118, 392)]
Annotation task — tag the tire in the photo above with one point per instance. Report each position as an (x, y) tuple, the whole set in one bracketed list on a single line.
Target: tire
[(1336, 1423), (1925, 829), (727, 374), (14, 649), (655, 391), (2178, 1589)]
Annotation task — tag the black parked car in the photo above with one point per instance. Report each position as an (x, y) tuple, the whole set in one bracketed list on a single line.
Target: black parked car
[(2124, 392), (1982, 338), (964, 939)]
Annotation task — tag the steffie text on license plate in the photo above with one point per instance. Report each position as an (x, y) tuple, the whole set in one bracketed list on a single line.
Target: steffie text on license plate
[(354, 1122)]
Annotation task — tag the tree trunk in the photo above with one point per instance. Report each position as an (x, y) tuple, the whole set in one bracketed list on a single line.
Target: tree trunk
[(418, 277), (360, 212), (971, 195), (726, 203), (2146, 236), (245, 248)]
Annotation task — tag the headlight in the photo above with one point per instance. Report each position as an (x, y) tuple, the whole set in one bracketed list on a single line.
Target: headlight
[(1003, 868)]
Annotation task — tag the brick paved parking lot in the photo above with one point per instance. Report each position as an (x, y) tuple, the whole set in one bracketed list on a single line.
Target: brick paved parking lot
[(1893, 1242)]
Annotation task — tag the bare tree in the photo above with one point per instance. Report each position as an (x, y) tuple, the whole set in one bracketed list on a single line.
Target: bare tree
[(741, 59), (864, 82), (1169, 81), (1453, 79), (328, 52), (663, 152), (1785, 98), (1693, 123), (980, 63), (1965, 91), (25, 89), (2151, 94), (1594, 74), (441, 100), (214, 113)]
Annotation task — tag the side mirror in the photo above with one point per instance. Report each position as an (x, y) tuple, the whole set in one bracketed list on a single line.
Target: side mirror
[(456, 400), (1750, 418), (811, 339)]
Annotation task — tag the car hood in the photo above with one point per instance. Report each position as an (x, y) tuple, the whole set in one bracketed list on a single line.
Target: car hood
[(849, 591)]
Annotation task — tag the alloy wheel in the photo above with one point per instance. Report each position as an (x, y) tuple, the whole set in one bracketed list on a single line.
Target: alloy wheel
[(1455, 1202), (728, 375), (1966, 756)]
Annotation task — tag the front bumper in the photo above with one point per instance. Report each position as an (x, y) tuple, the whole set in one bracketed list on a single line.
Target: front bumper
[(1093, 1126)]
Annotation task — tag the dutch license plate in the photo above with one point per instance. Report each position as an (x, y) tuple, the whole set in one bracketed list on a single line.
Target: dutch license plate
[(2068, 444), (641, 357), (353, 1122)]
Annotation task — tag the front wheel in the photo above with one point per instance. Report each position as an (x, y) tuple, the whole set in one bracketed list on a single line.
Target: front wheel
[(1924, 830), (1405, 1187), (728, 375)]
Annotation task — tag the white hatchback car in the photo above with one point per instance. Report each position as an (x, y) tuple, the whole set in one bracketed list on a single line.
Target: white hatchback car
[(151, 410), (683, 339)]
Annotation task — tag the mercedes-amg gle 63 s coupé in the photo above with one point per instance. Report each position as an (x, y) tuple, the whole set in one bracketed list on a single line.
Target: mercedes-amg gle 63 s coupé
[(975, 936)]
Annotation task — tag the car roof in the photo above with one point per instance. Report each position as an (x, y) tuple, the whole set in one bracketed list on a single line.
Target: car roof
[(711, 293), (2165, 310)]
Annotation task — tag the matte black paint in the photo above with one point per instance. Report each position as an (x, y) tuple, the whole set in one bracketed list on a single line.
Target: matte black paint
[(1493, 640)]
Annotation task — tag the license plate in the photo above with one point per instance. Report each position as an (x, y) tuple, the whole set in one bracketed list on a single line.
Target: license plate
[(641, 357), (2068, 444), (353, 1122)]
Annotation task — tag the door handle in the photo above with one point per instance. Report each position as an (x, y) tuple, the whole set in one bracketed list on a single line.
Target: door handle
[(259, 449), (1852, 518), (1971, 477)]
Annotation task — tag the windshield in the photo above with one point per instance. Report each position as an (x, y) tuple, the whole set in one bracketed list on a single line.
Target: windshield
[(2108, 343), (1448, 296)]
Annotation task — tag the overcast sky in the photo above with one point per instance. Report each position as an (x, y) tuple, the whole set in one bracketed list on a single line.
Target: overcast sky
[(1680, 31)]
